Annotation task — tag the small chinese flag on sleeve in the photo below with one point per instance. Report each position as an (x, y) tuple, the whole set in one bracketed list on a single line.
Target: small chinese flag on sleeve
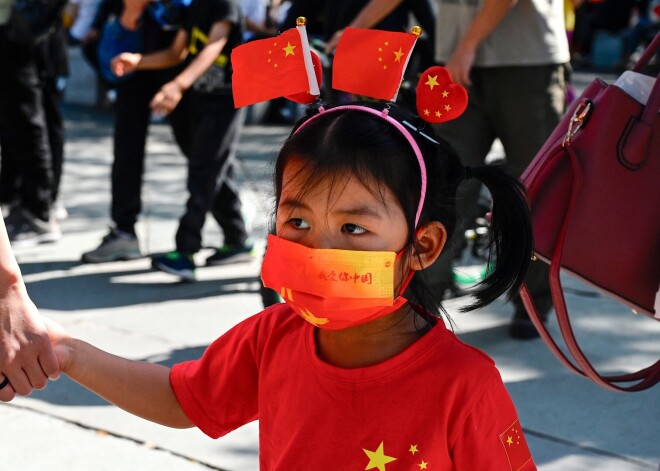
[(371, 62), (515, 446), (271, 68)]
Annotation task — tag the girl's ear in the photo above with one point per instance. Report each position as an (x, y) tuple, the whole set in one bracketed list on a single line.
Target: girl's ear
[(431, 239)]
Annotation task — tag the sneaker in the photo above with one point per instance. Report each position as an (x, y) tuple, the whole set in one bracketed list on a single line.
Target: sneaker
[(175, 263), (58, 211), (231, 254), (115, 246), (26, 230)]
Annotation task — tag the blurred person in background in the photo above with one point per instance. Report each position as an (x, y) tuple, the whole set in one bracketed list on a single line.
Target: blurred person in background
[(30, 89)]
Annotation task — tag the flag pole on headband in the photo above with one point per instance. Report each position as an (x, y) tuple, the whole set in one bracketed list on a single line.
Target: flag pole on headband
[(371, 62), (301, 23), (274, 67)]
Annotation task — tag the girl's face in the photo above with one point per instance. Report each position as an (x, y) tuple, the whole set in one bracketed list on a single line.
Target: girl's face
[(340, 214)]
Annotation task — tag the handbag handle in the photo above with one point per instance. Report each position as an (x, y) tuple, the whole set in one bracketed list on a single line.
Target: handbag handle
[(647, 377), (634, 148)]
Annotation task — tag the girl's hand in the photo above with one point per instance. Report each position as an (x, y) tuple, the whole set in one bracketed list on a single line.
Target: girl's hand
[(124, 63), (60, 340), (167, 98)]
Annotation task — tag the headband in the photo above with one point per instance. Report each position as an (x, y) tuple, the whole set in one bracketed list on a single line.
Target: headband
[(384, 114)]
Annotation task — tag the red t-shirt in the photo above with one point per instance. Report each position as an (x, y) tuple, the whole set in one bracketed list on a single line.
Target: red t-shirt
[(438, 405)]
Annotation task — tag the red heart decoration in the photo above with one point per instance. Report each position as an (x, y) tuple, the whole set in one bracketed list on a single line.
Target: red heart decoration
[(306, 98), (438, 98)]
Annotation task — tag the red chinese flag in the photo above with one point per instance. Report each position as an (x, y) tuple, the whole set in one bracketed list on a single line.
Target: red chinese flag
[(515, 446), (371, 62), (269, 68)]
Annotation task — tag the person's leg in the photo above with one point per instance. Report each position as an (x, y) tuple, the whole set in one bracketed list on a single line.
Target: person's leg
[(23, 123), (26, 128), (9, 180), (215, 122), (540, 98), (226, 206), (52, 99), (471, 135), (132, 115)]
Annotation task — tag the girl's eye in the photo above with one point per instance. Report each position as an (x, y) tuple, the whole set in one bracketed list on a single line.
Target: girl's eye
[(298, 223), (353, 229)]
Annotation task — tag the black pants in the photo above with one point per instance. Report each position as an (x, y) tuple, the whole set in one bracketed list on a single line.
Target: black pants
[(132, 117), (207, 127), (23, 124), (9, 171)]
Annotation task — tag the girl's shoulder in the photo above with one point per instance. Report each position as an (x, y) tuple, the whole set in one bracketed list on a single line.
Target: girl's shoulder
[(276, 318), (470, 362)]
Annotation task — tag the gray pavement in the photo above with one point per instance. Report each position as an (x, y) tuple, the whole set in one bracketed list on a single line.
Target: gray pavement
[(128, 309)]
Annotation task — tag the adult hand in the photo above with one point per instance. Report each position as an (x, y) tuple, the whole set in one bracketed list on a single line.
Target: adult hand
[(91, 35), (124, 63), (167, 98), (27, 358), (460, 64), (334, 40)]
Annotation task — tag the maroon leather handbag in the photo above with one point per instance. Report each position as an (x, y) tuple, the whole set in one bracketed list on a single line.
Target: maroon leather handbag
[(594, 194)]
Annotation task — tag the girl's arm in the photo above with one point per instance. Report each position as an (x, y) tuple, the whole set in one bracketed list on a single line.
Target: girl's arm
[(138, 387), (170, 94)]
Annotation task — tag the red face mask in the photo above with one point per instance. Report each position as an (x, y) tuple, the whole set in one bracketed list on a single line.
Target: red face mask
[(332, 289)]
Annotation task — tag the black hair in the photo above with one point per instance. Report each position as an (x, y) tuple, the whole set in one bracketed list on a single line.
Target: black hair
[(358, 143)]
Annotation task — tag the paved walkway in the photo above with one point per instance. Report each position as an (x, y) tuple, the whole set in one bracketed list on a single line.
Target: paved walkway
[(126, 308)]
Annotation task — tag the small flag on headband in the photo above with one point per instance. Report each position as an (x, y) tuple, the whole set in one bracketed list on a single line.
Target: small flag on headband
[(439, 99), (371, 62), (275, 67)]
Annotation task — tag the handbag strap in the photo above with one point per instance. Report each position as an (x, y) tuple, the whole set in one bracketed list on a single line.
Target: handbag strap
[(646, 377), (648, 54)]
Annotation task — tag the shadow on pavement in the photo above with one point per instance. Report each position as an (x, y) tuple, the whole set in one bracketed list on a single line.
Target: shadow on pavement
[(117, 288)]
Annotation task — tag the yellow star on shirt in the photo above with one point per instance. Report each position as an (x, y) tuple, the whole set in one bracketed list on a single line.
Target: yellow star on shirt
[(413, 449), (447, 107), (509, 440), (288, 49), (423, 465), (445, 94), (398, 55), (378, 459), (432, 81)]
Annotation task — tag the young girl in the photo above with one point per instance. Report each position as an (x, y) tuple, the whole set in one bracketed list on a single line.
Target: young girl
[(363, 378)]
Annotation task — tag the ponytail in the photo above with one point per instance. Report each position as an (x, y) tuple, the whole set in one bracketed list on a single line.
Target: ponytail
[(511, 240)]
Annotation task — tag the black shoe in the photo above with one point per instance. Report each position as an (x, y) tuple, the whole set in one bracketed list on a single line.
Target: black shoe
[(176, 263), (25, 229), (522, 328), (231, 254)]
